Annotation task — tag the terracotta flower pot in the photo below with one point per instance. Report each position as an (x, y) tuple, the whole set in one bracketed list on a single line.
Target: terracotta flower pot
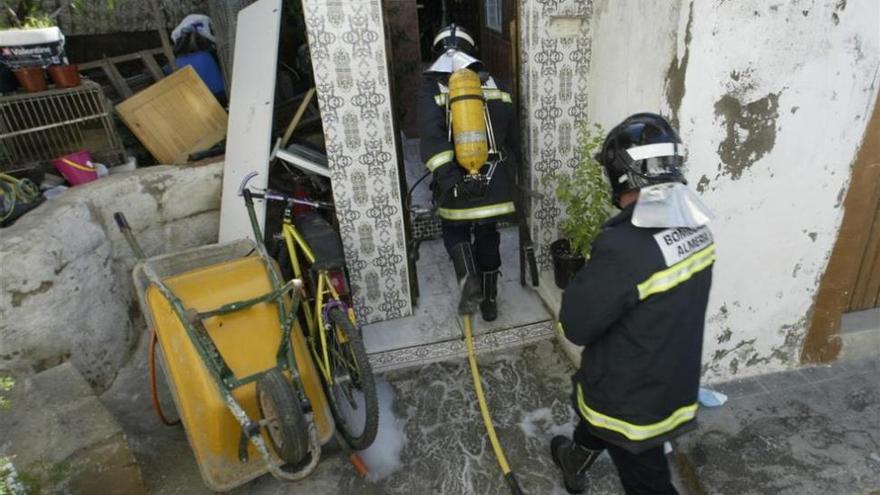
[(32, 79), (64, 76)]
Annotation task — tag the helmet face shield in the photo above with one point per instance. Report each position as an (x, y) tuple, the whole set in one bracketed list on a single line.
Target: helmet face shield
[(660, 162), (661, 166)]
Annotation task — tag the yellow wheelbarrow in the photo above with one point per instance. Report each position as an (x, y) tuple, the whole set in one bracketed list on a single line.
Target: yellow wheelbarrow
[(235, 359)]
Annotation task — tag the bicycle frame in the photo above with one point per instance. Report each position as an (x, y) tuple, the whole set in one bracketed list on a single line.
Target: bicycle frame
[(314, 313), (329, 320), (296, 243)]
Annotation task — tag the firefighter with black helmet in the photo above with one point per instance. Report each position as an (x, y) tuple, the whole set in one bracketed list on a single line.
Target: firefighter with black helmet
[(638, 307), (467, 127)]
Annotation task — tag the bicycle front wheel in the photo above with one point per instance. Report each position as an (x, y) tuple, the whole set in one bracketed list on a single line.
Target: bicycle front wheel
[(352, 395)]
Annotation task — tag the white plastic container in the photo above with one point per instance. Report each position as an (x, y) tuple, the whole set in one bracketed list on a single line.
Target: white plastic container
[(32, 47)]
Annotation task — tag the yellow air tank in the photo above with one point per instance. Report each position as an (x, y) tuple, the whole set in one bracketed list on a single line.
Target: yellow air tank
[(468, 120)]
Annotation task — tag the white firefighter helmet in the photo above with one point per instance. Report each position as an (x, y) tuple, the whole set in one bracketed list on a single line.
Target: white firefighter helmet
[(456, 47)]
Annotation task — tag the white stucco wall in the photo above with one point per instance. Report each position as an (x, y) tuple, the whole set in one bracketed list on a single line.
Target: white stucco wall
[(772, 100), (633, 42)]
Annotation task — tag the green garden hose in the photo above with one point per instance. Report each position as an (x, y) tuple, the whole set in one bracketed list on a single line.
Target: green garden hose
[(13, 190)]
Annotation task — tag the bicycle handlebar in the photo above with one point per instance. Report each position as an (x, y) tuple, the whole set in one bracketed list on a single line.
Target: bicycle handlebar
[(270, 195)]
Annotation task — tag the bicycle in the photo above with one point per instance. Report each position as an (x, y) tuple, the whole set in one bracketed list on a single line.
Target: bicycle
[(333, 335)]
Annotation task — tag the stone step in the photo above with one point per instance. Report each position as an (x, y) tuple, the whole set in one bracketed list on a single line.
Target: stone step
[(451, 349), (63, 440)]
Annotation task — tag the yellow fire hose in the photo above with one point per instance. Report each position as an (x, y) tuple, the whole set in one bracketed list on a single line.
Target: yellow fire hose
[(484, 409)]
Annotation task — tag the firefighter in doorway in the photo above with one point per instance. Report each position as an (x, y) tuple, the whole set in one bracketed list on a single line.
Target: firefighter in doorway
[(638, 307), (467, 125)]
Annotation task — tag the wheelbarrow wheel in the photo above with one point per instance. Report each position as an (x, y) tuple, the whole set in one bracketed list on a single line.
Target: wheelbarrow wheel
[(352, 395), (285, 422)]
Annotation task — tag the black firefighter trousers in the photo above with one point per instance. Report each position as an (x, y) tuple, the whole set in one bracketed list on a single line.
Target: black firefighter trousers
[(485, 244), (646, 473)]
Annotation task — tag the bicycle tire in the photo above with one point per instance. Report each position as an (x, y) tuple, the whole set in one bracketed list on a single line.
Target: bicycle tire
[(288, 435), (364, 382)]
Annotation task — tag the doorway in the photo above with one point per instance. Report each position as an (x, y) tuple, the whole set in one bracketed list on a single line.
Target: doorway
[(433, 332)]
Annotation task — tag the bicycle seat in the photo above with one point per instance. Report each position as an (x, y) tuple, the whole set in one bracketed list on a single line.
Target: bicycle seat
[(322, 239)]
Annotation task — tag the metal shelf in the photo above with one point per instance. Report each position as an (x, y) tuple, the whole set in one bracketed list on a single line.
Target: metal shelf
[(38, 127)]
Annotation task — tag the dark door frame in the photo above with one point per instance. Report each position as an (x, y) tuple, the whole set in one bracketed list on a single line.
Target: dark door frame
[(861, 212)]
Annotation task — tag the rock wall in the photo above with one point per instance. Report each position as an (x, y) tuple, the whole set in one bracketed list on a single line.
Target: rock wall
[(772, 100), (65, 270), (123, 16)]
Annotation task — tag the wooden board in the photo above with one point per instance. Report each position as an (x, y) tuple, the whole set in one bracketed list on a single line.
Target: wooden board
[(175, 117), (252, 98)]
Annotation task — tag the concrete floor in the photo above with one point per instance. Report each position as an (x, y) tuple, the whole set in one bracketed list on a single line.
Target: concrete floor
[(446, 450), (809, 431)]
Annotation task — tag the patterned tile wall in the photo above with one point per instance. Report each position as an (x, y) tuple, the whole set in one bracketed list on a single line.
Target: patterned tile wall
[(554, 85), (347, 43)]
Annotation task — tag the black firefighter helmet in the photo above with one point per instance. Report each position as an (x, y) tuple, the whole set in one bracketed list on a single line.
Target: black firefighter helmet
[(641, 151), (454, 37)]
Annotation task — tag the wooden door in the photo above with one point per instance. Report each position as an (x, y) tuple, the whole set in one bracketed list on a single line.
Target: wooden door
[(498, 37), (866, 291), (465, 13)]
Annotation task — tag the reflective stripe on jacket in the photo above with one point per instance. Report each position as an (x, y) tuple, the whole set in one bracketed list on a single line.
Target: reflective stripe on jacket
[(479, 212), (639, 306)]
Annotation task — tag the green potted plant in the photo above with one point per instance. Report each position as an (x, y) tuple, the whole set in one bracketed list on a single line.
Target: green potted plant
[(586, 198)]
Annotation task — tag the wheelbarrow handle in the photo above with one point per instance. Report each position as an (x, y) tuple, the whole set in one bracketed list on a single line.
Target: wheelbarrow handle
[(121, 222), (125, 229)]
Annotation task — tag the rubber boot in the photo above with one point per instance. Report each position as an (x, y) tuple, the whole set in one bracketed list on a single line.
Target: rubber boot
[(574, 460), (489, 304), (468, 279)]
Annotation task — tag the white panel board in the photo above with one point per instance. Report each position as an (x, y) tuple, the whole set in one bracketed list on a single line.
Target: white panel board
[(252, 98)]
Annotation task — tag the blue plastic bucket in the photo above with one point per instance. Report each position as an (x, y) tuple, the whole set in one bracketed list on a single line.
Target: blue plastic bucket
[(206, 67)]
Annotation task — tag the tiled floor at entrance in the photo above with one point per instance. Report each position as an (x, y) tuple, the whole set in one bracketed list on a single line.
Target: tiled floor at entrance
[(435, 321)]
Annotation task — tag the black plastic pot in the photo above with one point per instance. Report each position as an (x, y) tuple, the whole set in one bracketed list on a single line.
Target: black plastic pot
[(8, 82), (565, 263)]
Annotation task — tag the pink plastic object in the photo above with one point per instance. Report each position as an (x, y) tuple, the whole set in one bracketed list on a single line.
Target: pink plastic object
[(76, 167)]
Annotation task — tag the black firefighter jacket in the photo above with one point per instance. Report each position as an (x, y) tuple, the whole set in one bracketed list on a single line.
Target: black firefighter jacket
[(461, 203), (639, 306)]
